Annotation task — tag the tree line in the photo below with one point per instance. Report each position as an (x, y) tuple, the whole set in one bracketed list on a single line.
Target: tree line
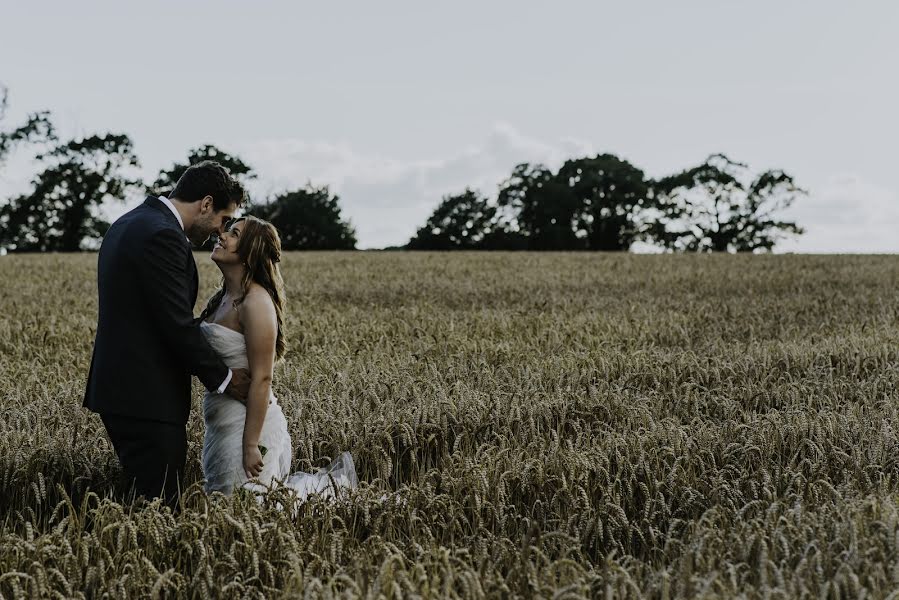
[(605, 203), (599, 203)]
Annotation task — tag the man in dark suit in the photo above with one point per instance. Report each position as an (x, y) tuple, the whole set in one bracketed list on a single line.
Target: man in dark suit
[(148, 342)]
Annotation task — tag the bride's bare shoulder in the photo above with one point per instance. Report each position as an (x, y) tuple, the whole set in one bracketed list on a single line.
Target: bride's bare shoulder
[(257, 301)]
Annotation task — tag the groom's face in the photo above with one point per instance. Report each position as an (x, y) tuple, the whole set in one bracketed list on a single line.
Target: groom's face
[(210, 221)]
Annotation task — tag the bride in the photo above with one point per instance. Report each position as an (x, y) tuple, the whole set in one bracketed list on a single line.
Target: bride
[(248, 445)]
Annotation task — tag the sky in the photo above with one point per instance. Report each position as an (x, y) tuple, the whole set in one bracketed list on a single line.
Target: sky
[(396, 104)]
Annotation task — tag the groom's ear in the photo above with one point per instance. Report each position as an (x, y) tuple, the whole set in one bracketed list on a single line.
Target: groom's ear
[(206, 205)]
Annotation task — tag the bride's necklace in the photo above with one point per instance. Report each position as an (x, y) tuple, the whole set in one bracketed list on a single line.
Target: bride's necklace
[(226, 305)]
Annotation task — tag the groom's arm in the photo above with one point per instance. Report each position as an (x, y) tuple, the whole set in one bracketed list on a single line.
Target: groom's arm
[(164, 277)]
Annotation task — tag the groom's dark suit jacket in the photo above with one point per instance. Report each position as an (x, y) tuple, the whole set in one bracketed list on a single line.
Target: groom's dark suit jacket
[(148, 343)]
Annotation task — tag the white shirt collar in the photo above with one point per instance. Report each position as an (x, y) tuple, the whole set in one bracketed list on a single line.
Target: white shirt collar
[(172, 208)]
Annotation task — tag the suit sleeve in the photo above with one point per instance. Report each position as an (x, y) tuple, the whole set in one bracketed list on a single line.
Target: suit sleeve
[(164, 278)]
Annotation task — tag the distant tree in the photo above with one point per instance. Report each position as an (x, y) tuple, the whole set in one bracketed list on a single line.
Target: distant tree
[(61, 213), (609, 197), (307, 219), (37, 128), (716, 207), (166, 180), (591, 203), (543, 208), (460, 222)]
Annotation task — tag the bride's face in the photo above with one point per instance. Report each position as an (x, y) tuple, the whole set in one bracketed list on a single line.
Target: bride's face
[(225, 250)]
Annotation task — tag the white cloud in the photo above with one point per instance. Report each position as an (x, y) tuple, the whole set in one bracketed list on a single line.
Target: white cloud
[(388, 199), (846, 214)]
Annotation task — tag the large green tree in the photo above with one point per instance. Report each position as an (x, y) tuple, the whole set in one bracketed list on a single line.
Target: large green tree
[(717, 206), (61, 212), (543, 208), (610, 195), (460, 222), (590, 203), (307, 219), (166, 180)]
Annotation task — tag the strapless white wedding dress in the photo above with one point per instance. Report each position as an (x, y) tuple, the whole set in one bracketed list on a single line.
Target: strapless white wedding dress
[(223, 443)]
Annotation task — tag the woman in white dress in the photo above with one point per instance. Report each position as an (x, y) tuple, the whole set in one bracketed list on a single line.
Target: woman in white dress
[(248, 445)]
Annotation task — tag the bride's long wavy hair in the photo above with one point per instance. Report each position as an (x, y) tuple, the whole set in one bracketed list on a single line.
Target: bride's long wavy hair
[(259, 248)]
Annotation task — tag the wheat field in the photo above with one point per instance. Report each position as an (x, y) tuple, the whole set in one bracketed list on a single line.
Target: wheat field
[(524, 425)]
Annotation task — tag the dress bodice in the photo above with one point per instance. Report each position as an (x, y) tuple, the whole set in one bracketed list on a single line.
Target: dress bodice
[(230, 345)]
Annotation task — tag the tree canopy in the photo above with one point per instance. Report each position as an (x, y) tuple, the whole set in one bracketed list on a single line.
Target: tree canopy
[(716, 206), (605, 203), (36, 128), (167, 178), (610, 196), (307, 219), (460, 222), (61, 212)]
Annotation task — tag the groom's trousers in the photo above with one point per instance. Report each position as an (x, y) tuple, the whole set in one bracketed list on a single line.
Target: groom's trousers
[(152, 454)]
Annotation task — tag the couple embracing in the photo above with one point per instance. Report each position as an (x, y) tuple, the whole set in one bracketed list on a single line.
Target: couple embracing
[(148, 345)]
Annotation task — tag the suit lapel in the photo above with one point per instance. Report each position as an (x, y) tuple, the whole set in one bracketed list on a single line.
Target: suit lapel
[(156, 203)]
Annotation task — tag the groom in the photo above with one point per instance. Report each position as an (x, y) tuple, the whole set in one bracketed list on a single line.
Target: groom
[(148, 343)]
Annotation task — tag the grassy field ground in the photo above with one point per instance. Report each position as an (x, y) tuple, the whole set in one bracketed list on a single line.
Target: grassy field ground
[(559, 424)]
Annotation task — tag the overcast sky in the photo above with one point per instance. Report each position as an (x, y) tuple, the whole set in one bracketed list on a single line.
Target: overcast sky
[(394, 104)]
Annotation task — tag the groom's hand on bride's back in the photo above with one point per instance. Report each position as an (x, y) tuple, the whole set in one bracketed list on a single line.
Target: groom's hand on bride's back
[(239, 387)]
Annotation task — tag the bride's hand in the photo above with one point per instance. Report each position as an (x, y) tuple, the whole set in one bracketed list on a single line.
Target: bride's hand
[(239, 386), (252, 460)]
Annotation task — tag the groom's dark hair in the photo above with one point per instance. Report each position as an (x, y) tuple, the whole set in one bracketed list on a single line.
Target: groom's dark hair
[(209, 178)]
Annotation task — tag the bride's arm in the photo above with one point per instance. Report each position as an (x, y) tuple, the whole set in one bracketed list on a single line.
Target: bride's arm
[(260, 326)]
